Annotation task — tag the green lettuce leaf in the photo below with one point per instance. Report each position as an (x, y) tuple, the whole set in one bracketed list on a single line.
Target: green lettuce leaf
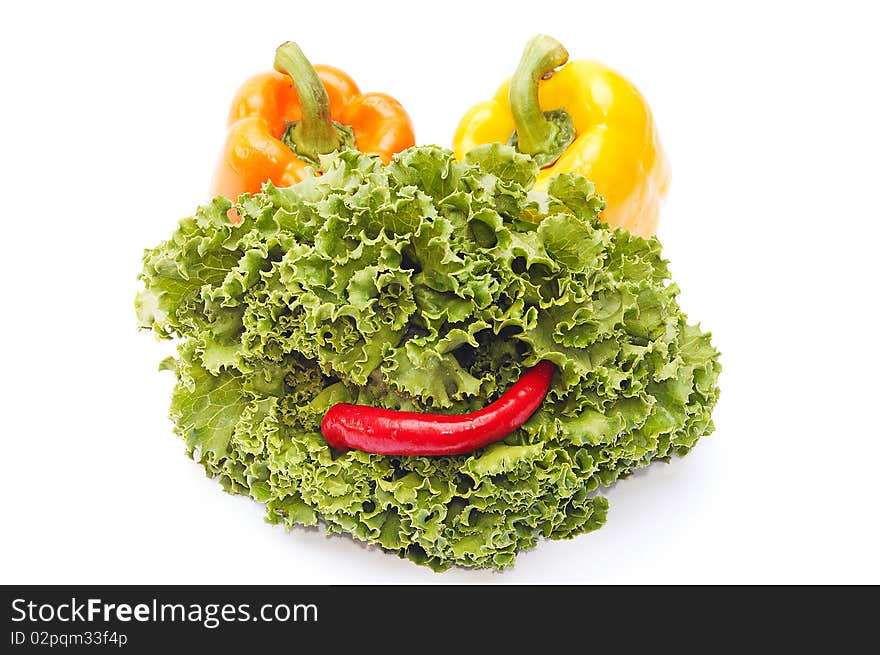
[(429, 284)]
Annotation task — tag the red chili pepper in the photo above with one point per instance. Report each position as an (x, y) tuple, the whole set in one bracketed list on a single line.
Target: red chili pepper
[(388, 432)]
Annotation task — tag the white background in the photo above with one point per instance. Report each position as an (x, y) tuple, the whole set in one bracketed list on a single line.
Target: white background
[(110, 121)]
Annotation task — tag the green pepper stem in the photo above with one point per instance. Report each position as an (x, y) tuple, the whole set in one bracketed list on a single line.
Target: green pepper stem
[(535, 133), (315, 134)]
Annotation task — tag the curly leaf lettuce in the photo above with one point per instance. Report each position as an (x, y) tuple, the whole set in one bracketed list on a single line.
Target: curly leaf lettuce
[(427, 285)]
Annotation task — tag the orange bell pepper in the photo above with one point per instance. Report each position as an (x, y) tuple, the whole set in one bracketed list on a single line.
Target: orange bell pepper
[(281, 120)]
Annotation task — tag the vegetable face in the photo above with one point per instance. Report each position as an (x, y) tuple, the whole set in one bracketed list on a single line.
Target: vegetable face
[(427, 285), (583, 118)]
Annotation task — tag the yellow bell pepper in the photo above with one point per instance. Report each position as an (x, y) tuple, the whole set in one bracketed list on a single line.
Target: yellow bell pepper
[(596, 123)]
